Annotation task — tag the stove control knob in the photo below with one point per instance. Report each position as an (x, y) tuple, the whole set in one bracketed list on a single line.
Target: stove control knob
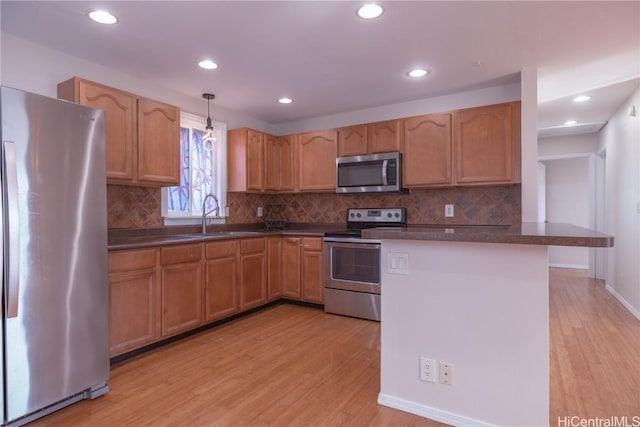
[(397, 215), (389, 215), (359, 215), (351, 215)]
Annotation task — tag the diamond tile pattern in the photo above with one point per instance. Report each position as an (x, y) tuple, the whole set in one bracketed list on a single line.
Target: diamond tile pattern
[(135, 207), (498, 205)]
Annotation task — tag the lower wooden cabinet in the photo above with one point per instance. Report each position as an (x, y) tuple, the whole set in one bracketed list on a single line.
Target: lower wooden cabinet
[(291, 267), (302, 269), (253, 273), (159, 292), (134, 298), (221, 279), (274, 267), (311, 280), (181, 288)]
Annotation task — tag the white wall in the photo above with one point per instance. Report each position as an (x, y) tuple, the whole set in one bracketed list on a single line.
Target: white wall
[(36, 68), (621, 139), (482, 307), (568, 201), (568, 144)]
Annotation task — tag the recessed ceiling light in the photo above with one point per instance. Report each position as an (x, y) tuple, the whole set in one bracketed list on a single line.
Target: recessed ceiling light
[(418, 72), (208, 64), (285, 100), (581, 98), (370, 11), (570, 123), (102, 17)]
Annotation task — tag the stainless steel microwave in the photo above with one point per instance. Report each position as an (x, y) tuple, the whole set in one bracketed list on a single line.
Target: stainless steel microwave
[(369, 173)]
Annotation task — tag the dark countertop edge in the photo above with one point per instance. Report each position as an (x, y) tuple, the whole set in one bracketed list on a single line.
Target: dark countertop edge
[(136, 240), (548, 234)]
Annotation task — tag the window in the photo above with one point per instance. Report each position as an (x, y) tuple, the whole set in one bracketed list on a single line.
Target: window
[(203, 171)]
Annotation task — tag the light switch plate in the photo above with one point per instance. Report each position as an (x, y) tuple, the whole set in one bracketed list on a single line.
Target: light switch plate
[(398, 263)]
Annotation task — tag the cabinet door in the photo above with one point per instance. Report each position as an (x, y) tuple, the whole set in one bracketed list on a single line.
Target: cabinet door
[(311, 270), (291, 267), (253, 273), (384, 137), (182, 289), (133, 300), (484, 140), (120, 126), (221, 280), (427, 151), (271, 163), (255, 161), (352, 141), (317, 161), (158, 143), (132, 310), (285, 163), (274, 269)]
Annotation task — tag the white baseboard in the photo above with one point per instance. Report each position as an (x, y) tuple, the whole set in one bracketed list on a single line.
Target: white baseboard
[(623, 301), (574, 266), (427, 411)]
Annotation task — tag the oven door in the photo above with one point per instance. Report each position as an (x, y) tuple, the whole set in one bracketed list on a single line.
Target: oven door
[(352, 265)]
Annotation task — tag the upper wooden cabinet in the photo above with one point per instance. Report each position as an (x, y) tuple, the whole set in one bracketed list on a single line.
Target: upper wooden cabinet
[(142, 136), (315, 161), (384, 137), (352, 141), (245, 152), (486, 143), (278, 163), (378, 137), (427, 147), (158, 142)]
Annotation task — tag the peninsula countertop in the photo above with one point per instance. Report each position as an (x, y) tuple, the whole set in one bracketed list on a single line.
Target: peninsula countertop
[(526, 233)]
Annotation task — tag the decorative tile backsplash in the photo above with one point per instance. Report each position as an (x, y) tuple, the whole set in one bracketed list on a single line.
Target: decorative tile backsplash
[(135, 207), (499, 205)]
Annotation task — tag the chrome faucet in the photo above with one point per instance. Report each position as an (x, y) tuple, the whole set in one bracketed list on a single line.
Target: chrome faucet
[(205, 213)]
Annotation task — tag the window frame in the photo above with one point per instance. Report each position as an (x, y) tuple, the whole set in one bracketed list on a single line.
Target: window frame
[(192, 121)]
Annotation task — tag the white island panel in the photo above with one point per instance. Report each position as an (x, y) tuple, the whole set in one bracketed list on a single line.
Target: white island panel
[(483, 308)]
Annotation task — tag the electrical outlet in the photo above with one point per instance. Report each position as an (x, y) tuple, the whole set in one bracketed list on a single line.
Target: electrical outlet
[(260, 212), (446, 373), (427, 370), (448, 210), (226, 211)]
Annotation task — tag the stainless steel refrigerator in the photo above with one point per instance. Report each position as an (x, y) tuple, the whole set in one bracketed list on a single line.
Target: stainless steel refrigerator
[(55, 342)]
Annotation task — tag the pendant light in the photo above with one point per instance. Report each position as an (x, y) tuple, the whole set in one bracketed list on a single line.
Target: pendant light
[(209, 128)]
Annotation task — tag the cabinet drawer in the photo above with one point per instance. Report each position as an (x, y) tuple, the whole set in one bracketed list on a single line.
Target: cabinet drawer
[(181, 254), (312, 243), (222, 249), (132, 260), (248, 246)]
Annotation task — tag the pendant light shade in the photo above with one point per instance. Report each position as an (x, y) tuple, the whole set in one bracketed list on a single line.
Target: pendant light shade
[(209, 128)]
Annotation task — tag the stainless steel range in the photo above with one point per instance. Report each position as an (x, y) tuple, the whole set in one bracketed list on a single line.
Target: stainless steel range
[(352, 264)]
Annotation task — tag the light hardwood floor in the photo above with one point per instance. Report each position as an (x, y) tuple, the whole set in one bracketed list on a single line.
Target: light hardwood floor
[(296, 366)]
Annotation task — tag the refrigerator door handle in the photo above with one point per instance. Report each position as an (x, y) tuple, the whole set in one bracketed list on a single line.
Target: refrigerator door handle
[(12, 227)]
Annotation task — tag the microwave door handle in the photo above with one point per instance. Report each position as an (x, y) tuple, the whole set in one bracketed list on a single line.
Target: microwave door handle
[(384, 172), (11, 223)]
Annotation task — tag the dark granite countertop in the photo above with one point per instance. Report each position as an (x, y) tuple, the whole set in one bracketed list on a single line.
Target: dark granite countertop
[(165, 236), (550, 234)]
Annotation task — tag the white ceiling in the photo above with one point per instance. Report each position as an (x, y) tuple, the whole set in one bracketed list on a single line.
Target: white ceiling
[(329, 61)]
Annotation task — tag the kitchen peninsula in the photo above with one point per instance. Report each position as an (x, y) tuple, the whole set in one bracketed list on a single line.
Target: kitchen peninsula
[(478, 298)]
